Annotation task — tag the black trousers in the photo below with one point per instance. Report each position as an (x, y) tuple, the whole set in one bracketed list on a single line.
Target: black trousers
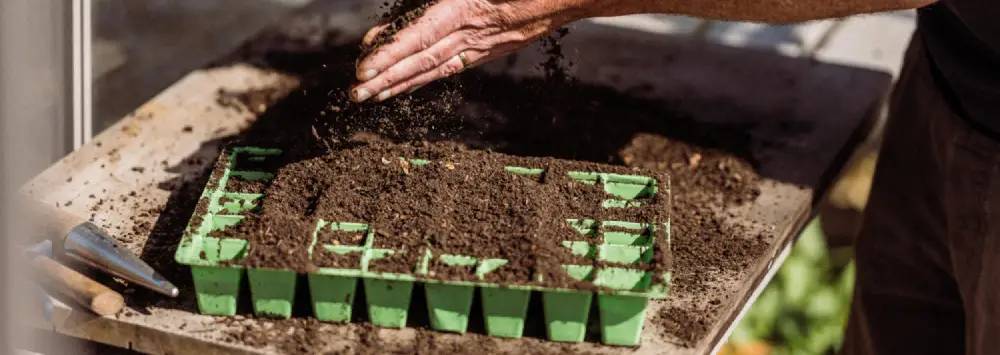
[(928, 256)]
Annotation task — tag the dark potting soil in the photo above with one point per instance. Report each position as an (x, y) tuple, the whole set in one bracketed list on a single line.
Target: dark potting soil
[(705, 242), (403, 261), (555, 66), (242, 185), (351, 260), (348, 260), (340, 238), (200, 205), (442, 270), (248, 162), (462, 202)]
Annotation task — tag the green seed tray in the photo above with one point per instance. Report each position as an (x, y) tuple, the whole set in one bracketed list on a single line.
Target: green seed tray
[(622, 296)]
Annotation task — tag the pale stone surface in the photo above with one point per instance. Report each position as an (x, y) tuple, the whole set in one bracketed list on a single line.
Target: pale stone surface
[(666, 24), (792, 40), (871, 41)]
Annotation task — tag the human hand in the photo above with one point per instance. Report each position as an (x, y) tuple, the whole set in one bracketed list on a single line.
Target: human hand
[(454, 35)]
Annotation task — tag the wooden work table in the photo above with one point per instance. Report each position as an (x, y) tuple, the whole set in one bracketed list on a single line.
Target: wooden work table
[(173, 136)]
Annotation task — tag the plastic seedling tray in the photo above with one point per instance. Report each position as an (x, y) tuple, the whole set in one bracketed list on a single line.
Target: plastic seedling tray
[(621, 247)]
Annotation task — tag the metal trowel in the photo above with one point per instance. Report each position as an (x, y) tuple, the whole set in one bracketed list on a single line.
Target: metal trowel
[(80, 240)]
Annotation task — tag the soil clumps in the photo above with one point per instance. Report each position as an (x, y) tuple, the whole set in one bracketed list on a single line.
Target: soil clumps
[(454, 202)]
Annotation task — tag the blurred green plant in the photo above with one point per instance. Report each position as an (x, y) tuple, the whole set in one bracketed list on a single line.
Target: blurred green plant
[(805, 307)]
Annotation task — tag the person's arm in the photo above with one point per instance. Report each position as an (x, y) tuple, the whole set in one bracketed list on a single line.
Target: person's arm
[(453, 35), (770, 11)]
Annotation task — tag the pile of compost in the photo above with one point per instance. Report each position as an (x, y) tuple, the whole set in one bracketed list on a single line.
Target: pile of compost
[(452, 200)]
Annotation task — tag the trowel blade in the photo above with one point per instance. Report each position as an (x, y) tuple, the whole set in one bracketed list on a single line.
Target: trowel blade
[(89, 244)]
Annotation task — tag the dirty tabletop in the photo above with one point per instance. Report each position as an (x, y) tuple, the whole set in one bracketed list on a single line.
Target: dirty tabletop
[(174, 135)]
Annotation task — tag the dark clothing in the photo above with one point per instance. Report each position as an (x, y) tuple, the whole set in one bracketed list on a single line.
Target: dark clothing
[(963, 41), (928, 255)]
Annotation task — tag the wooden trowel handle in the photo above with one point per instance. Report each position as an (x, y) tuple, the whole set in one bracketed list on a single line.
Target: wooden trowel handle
[(89, 293), (51, 222)]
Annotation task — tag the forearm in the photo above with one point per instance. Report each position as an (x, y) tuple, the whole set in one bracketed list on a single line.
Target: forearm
[(771, 11)]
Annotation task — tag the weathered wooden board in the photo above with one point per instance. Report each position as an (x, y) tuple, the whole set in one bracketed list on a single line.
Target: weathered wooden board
[(109, 167), (830, 108)]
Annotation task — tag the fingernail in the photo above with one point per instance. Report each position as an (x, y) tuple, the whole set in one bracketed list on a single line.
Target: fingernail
[(414, 89), (382, 96), (361, 94), (368, 75)]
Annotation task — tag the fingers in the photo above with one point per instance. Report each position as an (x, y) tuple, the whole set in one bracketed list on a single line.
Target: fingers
[(409, 67), (492, 54), (473, 58), (372, 33), (452, 66), (437, 22), (368, 40)]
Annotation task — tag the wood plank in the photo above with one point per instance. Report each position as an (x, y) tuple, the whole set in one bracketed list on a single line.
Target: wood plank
[(830, 107), (152, 140)]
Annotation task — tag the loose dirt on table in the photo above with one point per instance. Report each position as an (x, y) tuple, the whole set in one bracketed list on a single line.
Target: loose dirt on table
[(706, 183)]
